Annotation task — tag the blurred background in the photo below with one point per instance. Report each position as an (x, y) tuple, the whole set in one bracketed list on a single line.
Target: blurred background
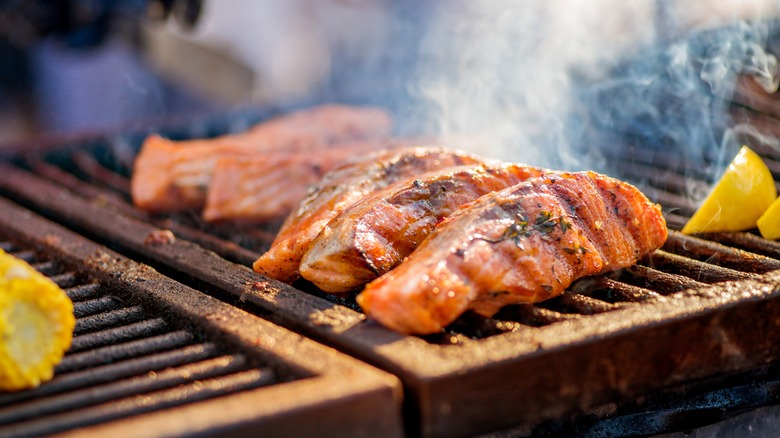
[(506, 71)]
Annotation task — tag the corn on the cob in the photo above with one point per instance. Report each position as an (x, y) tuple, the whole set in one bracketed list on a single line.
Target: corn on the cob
[(36, 325)]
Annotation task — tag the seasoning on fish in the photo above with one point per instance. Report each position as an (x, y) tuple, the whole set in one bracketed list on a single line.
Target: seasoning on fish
[(374, 235), (267, 187), (174, 175), (523, 244), (340, 189)]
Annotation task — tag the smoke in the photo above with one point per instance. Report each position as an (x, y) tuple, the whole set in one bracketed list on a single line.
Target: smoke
[(555, 83), (504, 72)]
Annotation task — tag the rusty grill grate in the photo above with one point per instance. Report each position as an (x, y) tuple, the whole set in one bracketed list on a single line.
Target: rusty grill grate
[(685, 262), (684, 312), (129, 356), (123, 361)]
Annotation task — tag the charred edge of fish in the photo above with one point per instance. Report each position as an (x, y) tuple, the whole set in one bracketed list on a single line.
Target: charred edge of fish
[(367, 261)]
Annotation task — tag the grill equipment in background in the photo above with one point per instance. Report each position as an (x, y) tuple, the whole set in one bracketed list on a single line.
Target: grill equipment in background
[(153, 357), (695, 310)]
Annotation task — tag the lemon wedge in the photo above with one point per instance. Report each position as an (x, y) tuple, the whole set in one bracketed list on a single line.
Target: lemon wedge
[(740, 197), (769, 222)]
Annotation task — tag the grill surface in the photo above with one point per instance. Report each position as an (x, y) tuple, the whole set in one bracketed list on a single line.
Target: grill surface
[(685, 312), (145, 344)]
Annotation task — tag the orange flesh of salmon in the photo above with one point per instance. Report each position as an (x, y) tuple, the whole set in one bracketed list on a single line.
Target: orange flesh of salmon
[(269, 186), (375, 234), (524, 244), (340, 189), (174, 175)]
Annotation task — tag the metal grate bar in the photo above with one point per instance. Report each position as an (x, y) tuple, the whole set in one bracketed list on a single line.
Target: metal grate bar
[(670, 201), (114, 353), (715, 253), (658, 158), (533, 316), (674, 220), (66, 179), (474, 326), (118, 334), (26, 255), (665, 179), (115, 371), (46, 268), (226, 248), (98, 173), (580, 304), (747, 241), (694, 269), (106, 320), (65, 280), (152, 381), (82, 292), (191, 392), (230, 250), (611, 291), (94, 306), (659, 281)]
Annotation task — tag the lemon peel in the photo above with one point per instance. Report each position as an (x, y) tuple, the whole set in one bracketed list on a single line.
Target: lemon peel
[(739, 198), (769, 222)]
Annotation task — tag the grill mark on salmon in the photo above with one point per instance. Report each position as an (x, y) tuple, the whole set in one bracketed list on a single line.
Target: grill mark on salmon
[(174, 175), (523, 244), (374, 235), (340, 189)]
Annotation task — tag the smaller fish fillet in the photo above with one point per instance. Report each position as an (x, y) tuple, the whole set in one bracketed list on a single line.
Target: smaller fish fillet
[(340, 189), (174, 175), (375, 234), (268, 186), (523, 244)]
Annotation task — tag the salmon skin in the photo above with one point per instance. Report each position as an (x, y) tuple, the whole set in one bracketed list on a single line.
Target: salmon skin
[(523, 244), (340, 189), (374, 235), (268, 186), (174, 175)]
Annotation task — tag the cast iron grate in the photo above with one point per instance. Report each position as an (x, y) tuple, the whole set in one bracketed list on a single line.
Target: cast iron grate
[(685, 262), (123, 361), (153, 357), (684, 312)]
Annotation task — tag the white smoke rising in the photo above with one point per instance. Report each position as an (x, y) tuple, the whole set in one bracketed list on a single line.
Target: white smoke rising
[(519, 79), (502, 71)]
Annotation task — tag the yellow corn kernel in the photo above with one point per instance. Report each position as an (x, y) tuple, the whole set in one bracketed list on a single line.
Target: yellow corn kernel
[(36, 325)]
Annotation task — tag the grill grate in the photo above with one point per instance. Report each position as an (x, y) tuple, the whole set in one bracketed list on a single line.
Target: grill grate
[(688, 263), (682, 313), (152, 357), (123, 361)]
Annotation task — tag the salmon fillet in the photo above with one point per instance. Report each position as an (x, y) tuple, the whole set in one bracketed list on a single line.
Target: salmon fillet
[(523, 244), (174, 175), (340, 189), (374, 235), (267, 187)]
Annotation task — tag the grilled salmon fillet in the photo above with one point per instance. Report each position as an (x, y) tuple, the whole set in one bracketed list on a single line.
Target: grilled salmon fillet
[(374, 235), (269, 186), (340, 189), (523, 244), (174, 175)]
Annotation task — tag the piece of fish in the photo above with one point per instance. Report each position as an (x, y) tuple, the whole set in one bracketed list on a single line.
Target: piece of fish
[(375, 234), (340, 189), (174, 175), (523, 244), (269, 186)]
